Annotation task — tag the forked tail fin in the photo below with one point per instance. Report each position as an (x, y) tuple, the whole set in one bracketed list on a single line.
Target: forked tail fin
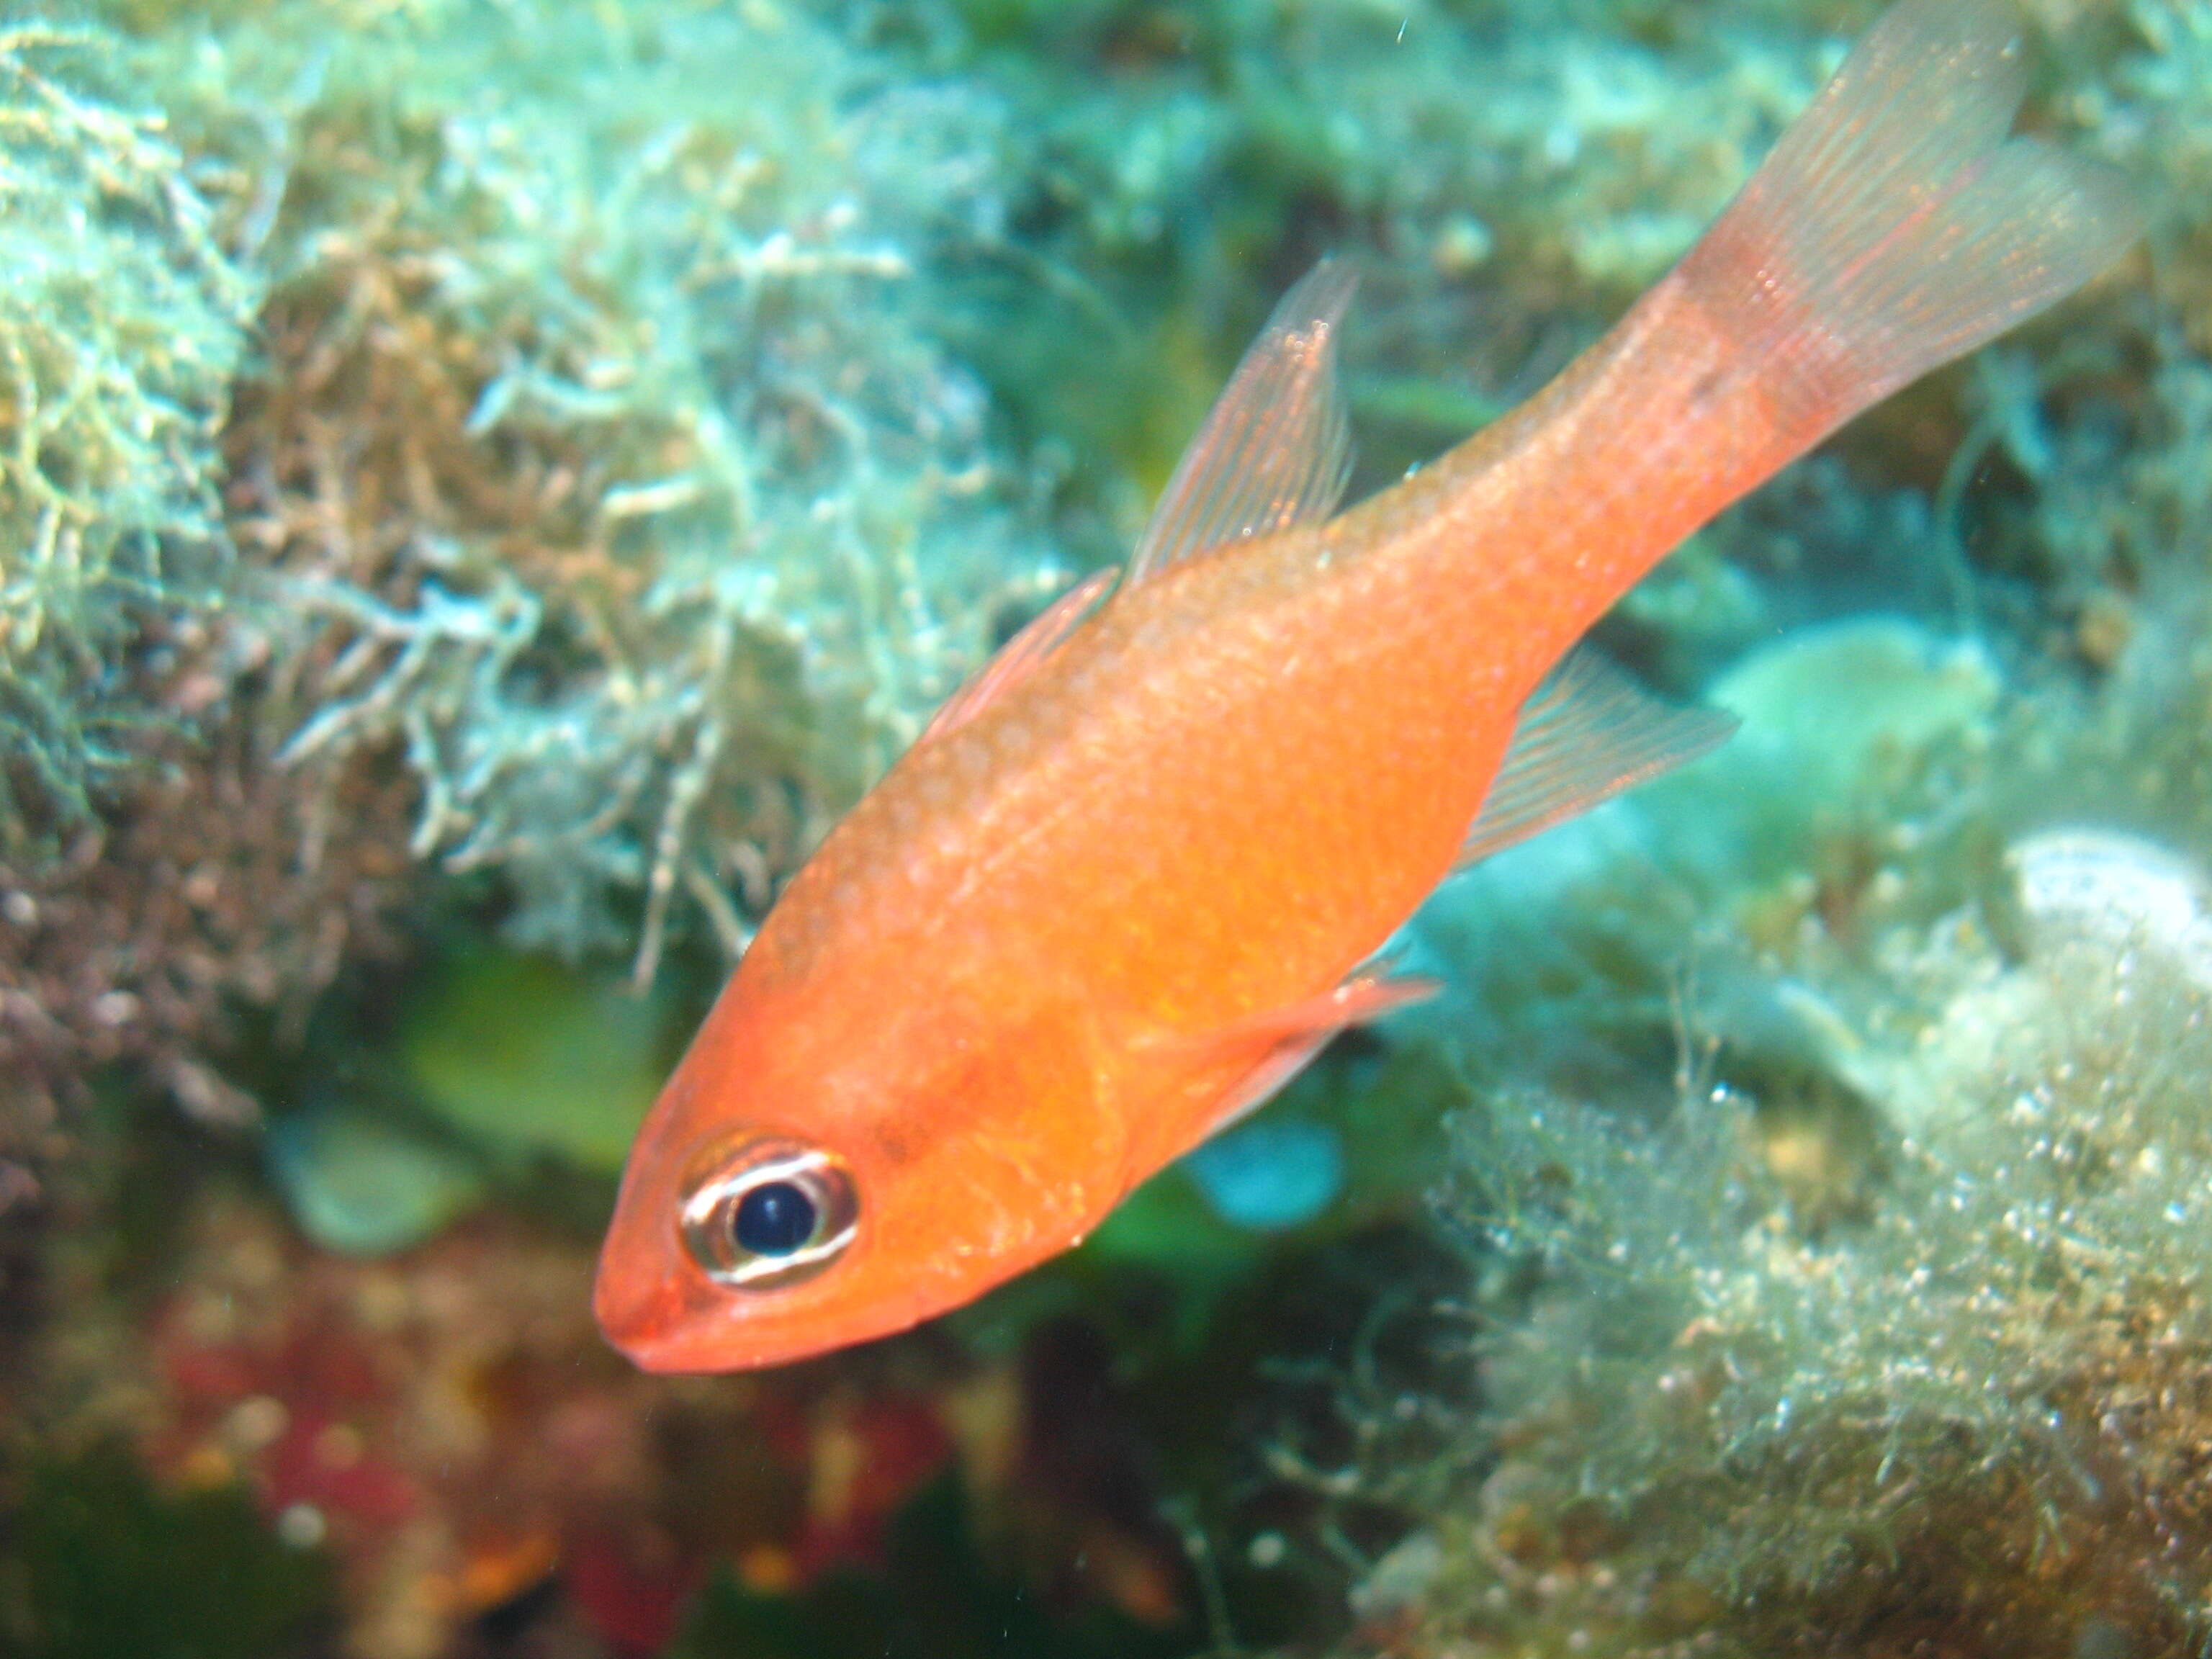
[(1897, 224)]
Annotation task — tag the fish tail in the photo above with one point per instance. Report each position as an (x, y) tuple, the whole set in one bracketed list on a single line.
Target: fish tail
[(1896, 225)]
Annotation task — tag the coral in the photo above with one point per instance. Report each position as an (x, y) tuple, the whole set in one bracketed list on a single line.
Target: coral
[(122, 325), (445, 1437), (450, 1434)]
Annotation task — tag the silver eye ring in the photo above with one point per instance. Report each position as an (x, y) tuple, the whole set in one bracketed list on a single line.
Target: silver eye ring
[(764, 1211)]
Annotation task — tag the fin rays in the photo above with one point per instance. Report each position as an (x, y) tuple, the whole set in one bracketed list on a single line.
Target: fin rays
[(1589, 733), (1276, 450), (1284, 1040), (1896, 226)]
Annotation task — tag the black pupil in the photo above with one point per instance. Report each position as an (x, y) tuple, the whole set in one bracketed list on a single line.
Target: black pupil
[(775, 1219)]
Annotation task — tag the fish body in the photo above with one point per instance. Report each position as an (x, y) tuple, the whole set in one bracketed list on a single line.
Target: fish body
[(1140, 869)]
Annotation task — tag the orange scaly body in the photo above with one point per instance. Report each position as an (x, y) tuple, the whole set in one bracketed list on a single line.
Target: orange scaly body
[(1128, 881)]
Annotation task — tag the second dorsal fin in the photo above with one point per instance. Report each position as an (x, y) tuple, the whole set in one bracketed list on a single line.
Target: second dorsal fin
[(1276, 449)]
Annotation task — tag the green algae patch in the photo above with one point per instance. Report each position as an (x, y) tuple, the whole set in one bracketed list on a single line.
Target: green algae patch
[(121, 323), (363, 1183), (1838, 720), (101, 1562), (531, 1058), (1838, 710)]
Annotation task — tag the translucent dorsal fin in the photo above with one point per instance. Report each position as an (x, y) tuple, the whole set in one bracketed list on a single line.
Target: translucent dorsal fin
[(1588, 732), (1021, 656), (1276, 450)]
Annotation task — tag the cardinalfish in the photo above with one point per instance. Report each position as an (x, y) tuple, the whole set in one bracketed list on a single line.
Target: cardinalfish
[(1141, 867)]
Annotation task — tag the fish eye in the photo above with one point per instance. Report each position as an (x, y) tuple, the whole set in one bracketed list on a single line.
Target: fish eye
[(766, 1211), (775, 1219)]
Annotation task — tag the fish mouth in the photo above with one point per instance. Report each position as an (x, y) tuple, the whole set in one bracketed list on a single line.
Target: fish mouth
[(665, 1355), (635, 1333), (673, 1329), (646, 1326), (697, 1350), (662, 1331)]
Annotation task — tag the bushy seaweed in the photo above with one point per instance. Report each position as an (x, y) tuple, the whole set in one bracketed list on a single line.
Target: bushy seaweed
[(1965, 1417), (122, 324), (605, 511), (602, 464)]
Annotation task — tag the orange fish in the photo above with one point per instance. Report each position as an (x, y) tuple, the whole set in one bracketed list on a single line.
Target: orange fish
[(1138, 870)]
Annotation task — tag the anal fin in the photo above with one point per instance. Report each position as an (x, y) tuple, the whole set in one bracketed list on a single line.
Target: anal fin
[(1588, 732)]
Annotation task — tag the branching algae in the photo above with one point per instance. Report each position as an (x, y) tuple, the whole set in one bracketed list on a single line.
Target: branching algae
[(122, 322)]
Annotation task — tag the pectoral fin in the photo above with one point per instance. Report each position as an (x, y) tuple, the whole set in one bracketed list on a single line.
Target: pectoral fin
[(1278, 1044)]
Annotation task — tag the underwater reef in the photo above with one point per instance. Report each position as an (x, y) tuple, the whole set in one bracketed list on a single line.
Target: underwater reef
[(596, 512), (1834, 1196), (125, 327), (484, 485), (1889, 1334)]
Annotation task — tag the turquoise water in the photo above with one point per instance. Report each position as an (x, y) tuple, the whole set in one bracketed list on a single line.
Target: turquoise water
[(485, 486)]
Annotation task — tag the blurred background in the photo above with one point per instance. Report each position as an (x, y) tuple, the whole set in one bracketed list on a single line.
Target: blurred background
[(484, 484)]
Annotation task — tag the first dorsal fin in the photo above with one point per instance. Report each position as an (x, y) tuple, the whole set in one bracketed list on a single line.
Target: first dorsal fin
[(1588, 732), (1276, 450), (1021, 656)]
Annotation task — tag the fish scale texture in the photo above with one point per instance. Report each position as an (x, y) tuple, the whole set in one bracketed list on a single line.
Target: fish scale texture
[(1113, 800)]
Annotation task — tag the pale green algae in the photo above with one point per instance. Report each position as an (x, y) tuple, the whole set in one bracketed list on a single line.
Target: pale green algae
[(531, 1058), (510, 1067), (1981, 1390), (1840, 1190), (599, 463), (123, 322), (1568, 952), (358, 1182), (604, 465)]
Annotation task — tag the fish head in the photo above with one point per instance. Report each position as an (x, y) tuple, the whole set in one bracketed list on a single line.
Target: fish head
[(836, 1165)]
